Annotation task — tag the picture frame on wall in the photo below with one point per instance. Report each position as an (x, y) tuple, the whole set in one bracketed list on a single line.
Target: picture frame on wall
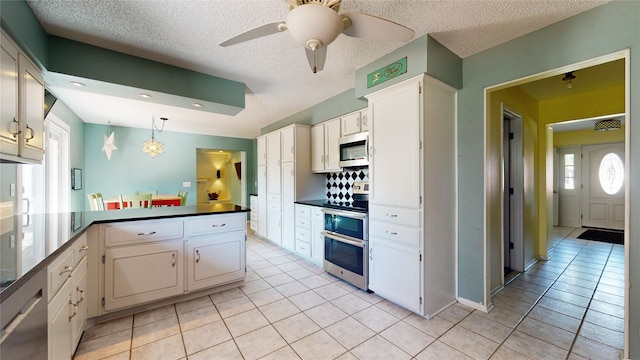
[(76, 179)]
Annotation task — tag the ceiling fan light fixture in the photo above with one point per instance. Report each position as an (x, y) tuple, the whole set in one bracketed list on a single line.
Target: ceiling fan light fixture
[(312, 23)]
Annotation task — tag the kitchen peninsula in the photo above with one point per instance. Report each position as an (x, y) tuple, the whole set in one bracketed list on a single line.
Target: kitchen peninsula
[(109, 263)]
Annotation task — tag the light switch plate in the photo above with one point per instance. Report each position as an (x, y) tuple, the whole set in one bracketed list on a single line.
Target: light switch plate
[(12, 190), (186, 184)]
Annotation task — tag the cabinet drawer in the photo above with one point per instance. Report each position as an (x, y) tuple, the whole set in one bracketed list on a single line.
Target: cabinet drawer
[(317, 214), (400, 235), (59, 271), (303, 234), (203, 225), (303, 211), (303, 222), (303, 248), (274, 207), (274, 198), (80, 248), (399, 216), (141, 232)]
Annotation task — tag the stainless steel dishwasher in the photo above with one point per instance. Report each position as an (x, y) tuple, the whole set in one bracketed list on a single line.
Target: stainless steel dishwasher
[(24, 320)]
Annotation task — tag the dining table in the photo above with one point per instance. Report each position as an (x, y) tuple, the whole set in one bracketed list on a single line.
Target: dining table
[(113, 203)]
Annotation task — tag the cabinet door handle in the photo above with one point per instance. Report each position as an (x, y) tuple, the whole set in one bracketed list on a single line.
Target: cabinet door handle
[(322, 158), (83, 248), (364, 120), (197, 256), (216, 225), (17, 126), (75, 311), (173, 260), (33, 134), (149, 233), (370, 253), (81, 293), (392, 215), (67, 269), (292, 150), (391, 232)]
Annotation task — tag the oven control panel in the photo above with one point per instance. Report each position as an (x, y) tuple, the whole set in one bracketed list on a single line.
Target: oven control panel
[(361, 187)]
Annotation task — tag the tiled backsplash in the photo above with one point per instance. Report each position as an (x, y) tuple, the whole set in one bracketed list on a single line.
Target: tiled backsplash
[(340, 185)]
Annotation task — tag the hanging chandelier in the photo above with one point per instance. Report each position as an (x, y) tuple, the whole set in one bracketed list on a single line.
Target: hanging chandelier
[(153, 147)]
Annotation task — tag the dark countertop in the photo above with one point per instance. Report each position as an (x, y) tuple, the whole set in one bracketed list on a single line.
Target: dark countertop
[(340, 205), (20, 260)]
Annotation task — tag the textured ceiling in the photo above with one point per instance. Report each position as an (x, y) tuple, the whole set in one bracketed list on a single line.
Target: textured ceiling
[(275, 70)]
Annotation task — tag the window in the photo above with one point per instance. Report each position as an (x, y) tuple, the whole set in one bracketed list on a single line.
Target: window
[(611, 173), (569, 172)]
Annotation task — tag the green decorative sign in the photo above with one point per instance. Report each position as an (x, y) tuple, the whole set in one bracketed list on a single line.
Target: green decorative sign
[(386, 73)]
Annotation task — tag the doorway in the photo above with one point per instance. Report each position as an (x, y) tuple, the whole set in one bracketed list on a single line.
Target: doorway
[(221, 177), (513, 180)]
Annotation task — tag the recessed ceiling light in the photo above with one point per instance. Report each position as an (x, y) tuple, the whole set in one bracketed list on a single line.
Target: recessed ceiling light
[(146, 96), (75, 83), (198, 105)]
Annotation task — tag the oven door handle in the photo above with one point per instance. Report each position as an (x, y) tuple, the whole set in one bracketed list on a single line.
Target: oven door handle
[(343, 239), (349, 214)]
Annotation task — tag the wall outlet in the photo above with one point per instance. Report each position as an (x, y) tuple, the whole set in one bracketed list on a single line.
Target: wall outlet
[(186, 184), (12, 190)]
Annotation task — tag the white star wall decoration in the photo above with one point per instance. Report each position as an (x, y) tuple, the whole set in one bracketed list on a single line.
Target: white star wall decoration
[(109, 144)]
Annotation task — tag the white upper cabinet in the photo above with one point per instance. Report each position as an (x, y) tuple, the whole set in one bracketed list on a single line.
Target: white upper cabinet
[(9, 99), (22, 106), (325, 150), (395, 142), (354, 122), (262, 150), (288, 144), (273, 163)]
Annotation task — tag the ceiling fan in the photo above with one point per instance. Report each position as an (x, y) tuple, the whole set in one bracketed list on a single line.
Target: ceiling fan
[(314, 24)]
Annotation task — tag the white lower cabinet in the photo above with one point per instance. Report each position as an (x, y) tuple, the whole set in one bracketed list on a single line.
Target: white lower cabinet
[(394, 273), (68, 307), (206, 251), (317, 240), (309, 239), (60, 313), (142, 273), (79, 298), (215, 260)]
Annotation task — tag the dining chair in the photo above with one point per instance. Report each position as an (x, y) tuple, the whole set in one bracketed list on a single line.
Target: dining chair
[(99, 201), (183, 197), (146, 193), (135, 201), (93, 201)]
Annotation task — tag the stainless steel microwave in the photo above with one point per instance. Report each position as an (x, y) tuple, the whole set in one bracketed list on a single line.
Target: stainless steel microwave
[(354, 150)]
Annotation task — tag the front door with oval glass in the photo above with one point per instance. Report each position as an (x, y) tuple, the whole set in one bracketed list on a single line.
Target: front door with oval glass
[(603, 175)]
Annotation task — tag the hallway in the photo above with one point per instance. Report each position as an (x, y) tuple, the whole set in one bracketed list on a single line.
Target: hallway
[(570, 307)]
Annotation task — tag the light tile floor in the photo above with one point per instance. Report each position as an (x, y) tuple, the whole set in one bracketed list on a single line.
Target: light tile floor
[(569, 307)]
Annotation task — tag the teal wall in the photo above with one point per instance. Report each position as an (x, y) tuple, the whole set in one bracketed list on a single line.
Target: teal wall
[(424, 55), (76, 150), (22, 25), (131, 170), (606, 29), (333, 107)]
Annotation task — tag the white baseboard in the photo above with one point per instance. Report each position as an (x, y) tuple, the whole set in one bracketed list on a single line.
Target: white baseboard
[(475, 305)]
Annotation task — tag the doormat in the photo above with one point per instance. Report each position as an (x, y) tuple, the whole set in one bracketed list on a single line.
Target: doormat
[(614, 237)]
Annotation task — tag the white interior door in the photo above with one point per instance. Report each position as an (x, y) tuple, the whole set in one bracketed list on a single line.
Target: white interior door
[(603, 193), (569, 184)]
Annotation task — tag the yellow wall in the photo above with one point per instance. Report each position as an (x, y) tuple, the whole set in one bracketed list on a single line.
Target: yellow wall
[(524, 105), (587, 137)]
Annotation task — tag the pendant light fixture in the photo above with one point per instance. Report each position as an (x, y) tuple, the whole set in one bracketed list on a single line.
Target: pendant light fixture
[(109, 143), (153, 147)]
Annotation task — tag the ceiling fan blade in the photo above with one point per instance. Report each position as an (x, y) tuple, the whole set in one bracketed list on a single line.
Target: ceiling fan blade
[(316, 58), (374, 28), (258, 32)]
